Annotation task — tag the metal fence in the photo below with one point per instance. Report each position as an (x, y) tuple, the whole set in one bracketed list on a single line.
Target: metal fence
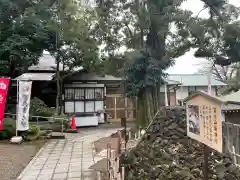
[(46, 123), (231, 141)]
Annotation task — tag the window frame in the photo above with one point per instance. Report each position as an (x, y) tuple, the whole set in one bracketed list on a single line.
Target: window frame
[(72, 98)]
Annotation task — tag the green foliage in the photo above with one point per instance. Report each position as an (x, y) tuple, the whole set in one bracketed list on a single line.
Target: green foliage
[(27, 28), (23, 34), (9, 128), (144, 28), (32, 134), (39, 108), (142, 73)]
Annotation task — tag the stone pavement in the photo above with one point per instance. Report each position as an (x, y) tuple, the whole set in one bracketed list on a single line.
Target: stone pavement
[(66, 159)]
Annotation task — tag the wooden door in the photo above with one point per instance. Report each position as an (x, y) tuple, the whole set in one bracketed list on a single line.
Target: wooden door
[(118, 106)]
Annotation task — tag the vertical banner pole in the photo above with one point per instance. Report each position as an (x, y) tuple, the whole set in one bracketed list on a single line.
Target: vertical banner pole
[(17, 107)]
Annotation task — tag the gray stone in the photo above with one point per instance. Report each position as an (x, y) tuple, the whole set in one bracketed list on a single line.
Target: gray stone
[(87, 174), (77, 160), (36, 167), (61, 169), (52, 158), (74, 168), (49, 166), (45, 177), (59, 176), (65, 156), (51, 162), (33, 172), (74, 174), (46, 171), (62, 165), (75, 164), (28, 177)]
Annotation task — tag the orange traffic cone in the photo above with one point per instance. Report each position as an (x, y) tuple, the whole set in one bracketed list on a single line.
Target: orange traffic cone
[(73, 124)]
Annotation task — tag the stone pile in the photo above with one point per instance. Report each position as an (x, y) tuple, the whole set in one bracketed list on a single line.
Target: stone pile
[(167, 153)]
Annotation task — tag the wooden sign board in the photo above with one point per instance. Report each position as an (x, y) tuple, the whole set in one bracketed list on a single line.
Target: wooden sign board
[(204, 121)]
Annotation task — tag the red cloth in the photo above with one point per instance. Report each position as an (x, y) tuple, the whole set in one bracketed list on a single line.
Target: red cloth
[(4, 83), (73, 124)]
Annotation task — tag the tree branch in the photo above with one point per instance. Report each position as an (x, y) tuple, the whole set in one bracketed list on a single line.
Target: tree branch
[(129, 30)]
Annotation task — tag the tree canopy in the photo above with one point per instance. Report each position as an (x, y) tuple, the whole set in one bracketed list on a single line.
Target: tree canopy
[(23, 34), (27, 28), (145, 28)]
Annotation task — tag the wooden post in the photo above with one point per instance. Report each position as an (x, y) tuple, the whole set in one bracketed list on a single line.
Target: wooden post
[(205, 166), (108, 161), (129, 135), (135, 135), (99, 175), (234, 155), (123, 173)]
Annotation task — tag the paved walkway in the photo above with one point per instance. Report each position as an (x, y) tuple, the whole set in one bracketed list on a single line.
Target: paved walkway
[(67, 159)]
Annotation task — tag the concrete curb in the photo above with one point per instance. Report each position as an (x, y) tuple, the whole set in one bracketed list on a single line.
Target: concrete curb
[(30, 163)]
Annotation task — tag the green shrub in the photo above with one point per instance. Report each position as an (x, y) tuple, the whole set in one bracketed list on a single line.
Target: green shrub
[(39, 108), (9, 128), (33, 133)]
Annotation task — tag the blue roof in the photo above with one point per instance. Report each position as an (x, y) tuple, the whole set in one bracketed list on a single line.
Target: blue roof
[(194, 79)]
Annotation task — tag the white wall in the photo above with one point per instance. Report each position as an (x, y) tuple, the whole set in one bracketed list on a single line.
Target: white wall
[(182, 92), (162, 89)]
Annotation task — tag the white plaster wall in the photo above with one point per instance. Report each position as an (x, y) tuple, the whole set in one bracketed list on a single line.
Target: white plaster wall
[(162, 89), (182, 92)]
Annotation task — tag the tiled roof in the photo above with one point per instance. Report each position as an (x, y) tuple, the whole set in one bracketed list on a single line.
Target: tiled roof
[(203, 93), (232, 97), (172, 82), (231, 106), (36, 76), (194, 79), (93, 77)]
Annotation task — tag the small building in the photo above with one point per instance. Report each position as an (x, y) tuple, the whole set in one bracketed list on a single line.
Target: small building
[(190, 83), (84, 94), (232, 111), (87, 93)]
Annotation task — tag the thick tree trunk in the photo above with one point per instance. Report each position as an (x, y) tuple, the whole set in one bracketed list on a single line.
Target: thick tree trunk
[(148, 105)]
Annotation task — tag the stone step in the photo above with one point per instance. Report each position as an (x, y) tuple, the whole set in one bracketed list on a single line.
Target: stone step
[(57, 135)]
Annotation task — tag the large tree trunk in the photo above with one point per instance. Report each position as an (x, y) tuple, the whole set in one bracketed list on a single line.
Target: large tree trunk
[(148, 105)]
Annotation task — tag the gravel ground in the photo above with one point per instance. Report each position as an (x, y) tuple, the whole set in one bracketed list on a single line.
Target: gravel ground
[(14, 158)]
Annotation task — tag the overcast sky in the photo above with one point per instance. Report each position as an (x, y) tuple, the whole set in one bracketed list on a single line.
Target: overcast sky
[(188, 64)]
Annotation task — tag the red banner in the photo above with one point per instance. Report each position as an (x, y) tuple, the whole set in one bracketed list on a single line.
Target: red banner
[(4, 82)]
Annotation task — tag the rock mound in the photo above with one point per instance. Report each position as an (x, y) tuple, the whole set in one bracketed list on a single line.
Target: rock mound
[(167, 153)]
